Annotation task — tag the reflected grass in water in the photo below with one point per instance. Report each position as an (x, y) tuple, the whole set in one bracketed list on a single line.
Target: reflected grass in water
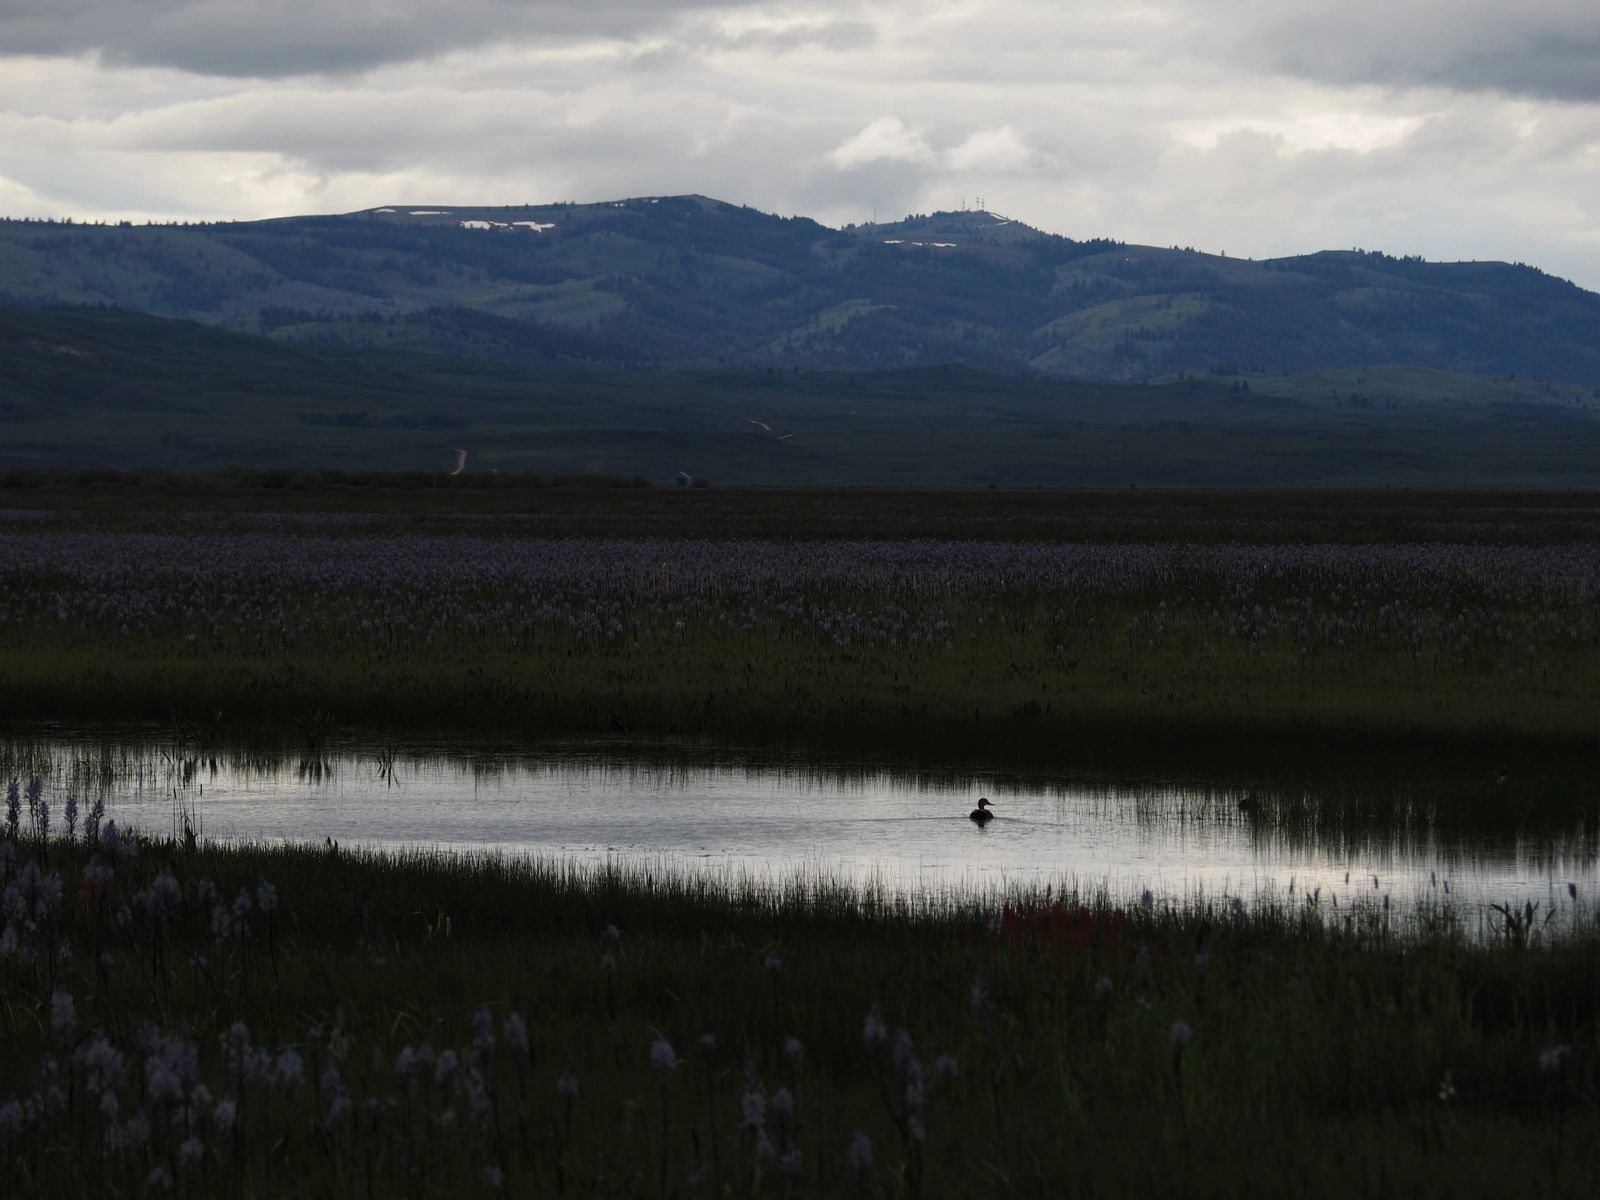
[(1457, 816)]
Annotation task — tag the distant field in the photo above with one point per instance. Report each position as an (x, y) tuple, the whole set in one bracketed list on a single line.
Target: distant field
[(608, 506), (1036, 626), (89, 389)]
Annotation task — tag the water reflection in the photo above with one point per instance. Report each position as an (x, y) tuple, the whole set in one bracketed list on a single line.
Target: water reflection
[(1474, 842)]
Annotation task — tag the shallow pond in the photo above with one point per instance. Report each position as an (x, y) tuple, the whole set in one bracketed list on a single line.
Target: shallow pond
[(854, 821)]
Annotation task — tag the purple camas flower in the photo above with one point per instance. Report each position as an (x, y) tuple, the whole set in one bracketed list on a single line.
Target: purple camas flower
[(483, 1031), (860, 1152), (1180, 1034), (873, 1029), (908, 1067), (63, 1013), (977, 997), (335, 1096), (179, 1058), (567, 1086), (266, 898), (99, 1064), (246, 1066), (662, 1056), (474, 1090), (71, 813), (286, 1072), (1553, 1058), (132, 1134), (165, 896), (445, 1065), (515, 1032), (752, 1110)]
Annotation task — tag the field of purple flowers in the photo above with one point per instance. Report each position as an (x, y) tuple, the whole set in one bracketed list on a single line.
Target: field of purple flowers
[(194, 1020), (1037, 647)]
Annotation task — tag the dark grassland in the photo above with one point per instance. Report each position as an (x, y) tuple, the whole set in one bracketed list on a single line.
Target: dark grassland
[(170, 1023), (601, 506), (92, 389), (1209, 628)]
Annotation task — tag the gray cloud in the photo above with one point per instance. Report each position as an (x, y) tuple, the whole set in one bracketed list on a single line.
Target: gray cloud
[(1544, 48), (272, 38), (1257, 128), (1541, 48)]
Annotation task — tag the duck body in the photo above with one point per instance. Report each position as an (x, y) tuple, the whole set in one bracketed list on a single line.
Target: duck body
[(981, 814)]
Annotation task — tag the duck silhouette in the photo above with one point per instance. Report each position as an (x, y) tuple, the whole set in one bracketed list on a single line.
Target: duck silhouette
[(981, 814)]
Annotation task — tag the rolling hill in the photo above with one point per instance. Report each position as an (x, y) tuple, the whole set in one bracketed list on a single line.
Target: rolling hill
[(690, 282), (93, 389)]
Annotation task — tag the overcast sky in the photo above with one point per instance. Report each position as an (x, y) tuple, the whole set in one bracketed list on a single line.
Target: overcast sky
[(1456, 129)]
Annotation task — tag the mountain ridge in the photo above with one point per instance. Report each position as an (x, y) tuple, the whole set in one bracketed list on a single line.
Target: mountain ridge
[(691, 281)]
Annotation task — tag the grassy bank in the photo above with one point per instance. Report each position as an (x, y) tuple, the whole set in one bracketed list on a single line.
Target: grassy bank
[(419, 1025), (978, 706), (1073, 652)]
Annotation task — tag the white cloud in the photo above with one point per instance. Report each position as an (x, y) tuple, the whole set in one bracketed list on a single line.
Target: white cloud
[(888, 139), (999, 149)]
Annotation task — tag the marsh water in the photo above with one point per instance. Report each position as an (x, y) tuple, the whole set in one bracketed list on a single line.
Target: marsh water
[(1469, 842)]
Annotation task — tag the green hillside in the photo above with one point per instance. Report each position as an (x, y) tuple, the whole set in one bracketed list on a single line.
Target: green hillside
[(90, 388), (687, 281)]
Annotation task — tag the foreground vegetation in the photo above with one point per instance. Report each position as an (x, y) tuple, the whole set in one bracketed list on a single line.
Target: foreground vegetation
[(254, 1020)]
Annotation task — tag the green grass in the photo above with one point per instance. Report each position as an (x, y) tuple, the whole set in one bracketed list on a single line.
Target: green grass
[(1330, 1054), (972, 705), (1297, 670)]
